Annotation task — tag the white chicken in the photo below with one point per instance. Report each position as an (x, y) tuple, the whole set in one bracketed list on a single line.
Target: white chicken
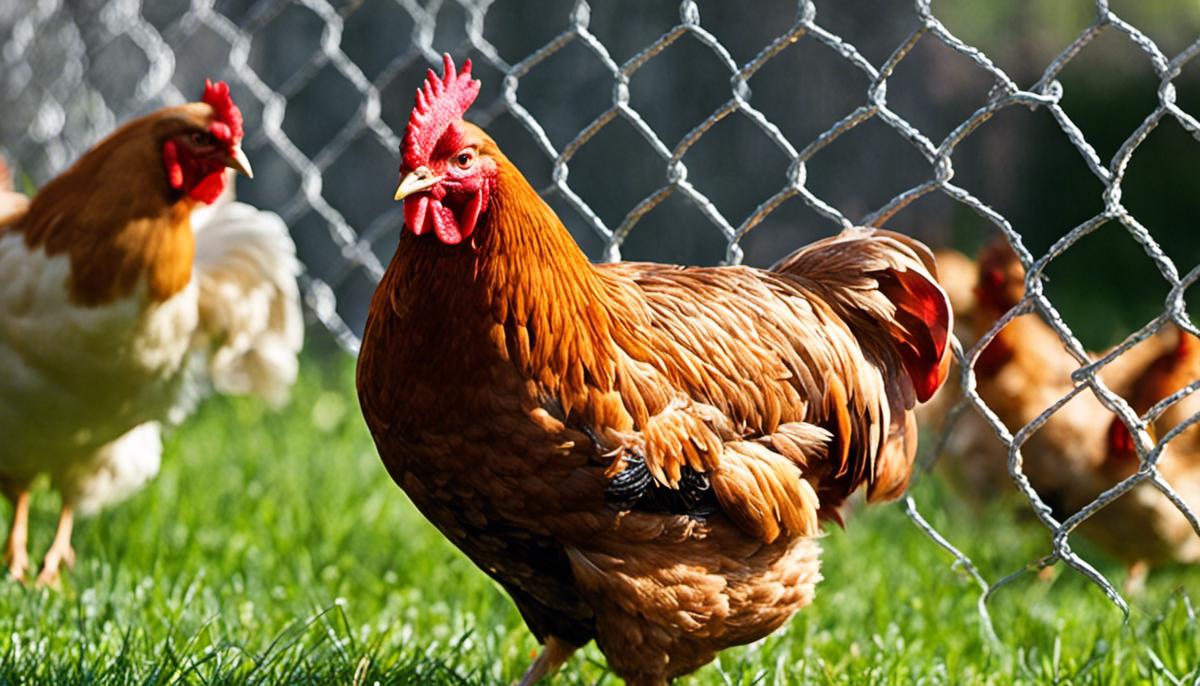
[(131, 281)]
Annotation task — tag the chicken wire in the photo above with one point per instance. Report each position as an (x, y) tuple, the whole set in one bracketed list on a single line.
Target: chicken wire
[(59, 57)]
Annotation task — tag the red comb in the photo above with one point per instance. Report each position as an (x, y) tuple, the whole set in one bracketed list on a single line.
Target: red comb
[(439, 103), (227, 118)]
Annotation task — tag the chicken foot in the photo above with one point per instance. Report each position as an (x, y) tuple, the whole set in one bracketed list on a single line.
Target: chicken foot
[(61, 553), (553, 655), (16, 552)]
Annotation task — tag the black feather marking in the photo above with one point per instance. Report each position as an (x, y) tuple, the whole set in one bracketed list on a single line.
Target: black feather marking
[(633, 488), (629, 485)]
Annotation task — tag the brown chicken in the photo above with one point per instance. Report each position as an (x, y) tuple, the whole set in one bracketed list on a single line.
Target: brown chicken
[(639, 454), (1024, 370), (1153, 531)]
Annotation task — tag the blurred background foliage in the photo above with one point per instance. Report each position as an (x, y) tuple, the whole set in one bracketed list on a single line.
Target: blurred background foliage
[(1020, 161)]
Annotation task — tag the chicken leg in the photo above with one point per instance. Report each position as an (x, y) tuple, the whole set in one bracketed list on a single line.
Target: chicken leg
[(16, 553), (61, 553), (554, 653)]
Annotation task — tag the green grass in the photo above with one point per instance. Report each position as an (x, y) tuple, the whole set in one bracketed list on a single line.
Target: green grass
[(273, 548)]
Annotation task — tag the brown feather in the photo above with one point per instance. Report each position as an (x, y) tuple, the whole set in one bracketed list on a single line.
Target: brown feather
[(113, 237)]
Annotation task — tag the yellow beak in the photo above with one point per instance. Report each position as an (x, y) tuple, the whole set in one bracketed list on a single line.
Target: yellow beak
[(415, 181), (239, 162)]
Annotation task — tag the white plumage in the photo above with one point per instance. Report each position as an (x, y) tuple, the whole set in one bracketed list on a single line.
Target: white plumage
[(250, 320), (114, 472)]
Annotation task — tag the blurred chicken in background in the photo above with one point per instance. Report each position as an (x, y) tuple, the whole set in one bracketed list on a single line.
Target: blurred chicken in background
[(131, 281), (1075, 455), (1145, 528), (975, 460)]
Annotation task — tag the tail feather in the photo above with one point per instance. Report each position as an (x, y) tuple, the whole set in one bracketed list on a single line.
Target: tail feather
[(922, 328), (884, 286), (879, 279), (764, 492), (251, 327)]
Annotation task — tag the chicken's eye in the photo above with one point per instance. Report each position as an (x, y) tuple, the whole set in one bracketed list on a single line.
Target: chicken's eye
[(201, 138), (465, 159)]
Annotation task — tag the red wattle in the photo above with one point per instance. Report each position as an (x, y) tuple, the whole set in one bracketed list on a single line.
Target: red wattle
[(423, 213), (209, 188), (415, 210), (445, 225), (470, 214)]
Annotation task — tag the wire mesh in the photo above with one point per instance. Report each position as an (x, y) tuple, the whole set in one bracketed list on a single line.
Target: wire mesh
[(58, 54)]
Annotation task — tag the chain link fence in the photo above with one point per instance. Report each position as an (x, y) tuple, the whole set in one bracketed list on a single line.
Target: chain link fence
[(326, 85)]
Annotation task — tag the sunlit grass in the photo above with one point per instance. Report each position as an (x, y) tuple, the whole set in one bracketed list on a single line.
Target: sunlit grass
[(275, 549)]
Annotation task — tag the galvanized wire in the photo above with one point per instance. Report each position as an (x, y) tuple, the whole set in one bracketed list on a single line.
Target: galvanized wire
[(59, 133)]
